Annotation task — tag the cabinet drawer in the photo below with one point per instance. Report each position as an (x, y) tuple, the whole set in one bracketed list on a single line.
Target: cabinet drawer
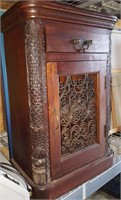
[(62, 39)]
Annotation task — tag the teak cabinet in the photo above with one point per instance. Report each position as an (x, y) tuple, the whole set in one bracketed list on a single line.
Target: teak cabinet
[(58, 68)]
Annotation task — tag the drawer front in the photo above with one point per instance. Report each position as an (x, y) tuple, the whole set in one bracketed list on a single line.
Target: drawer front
[(62, 38)]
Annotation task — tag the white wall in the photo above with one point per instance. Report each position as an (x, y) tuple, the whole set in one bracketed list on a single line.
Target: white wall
[(116, 76), (116, 49), (116, 89)]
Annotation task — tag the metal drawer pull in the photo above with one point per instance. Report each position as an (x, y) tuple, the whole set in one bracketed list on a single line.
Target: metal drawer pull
[(81, 46)]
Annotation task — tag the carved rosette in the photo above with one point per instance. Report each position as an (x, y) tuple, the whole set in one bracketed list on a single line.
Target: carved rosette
[(108, 93), (37, 96)]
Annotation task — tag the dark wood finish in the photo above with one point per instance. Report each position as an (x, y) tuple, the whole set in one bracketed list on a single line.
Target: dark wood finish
[(62, 165), (59, 36), (64, 184), (53, 57), (40, 62), (53, 11)]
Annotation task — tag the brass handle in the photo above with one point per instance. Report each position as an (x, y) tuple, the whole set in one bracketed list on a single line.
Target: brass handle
[(57, 119), (81, 46)]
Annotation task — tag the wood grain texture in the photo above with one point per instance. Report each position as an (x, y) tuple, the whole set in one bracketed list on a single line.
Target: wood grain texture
[(59, 37), (60, 165), (56, 12)]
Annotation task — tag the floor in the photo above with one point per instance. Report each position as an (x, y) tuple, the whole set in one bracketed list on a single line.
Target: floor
[(3, 140), (115, 143), (4, 145), (100, 195)]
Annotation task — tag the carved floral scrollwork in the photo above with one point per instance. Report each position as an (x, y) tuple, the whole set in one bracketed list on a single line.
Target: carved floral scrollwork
[(77, 112), (108, 94), (36, 77)]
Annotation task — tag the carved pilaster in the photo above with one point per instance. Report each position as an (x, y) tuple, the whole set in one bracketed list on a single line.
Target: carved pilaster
[(37, 96), (108, 92)]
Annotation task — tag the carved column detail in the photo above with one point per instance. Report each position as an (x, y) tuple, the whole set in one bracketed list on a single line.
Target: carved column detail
[(37, 96), (108, 92)]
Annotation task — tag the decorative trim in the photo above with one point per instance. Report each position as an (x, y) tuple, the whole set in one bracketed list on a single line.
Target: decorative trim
[(77, 112), (108, 93), (37, 97)]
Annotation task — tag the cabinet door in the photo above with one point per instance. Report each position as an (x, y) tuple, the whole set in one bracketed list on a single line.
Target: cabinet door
[(77, 114)]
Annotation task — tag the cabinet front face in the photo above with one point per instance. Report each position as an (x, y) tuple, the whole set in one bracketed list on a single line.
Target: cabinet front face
[(77, 114)]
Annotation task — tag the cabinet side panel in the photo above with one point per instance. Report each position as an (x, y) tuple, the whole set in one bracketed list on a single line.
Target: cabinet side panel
[(18, 96)]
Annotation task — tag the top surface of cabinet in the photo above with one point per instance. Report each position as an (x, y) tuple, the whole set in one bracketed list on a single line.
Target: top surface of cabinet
[(55, 11)]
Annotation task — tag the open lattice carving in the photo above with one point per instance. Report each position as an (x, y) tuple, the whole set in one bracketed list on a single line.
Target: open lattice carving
[(77, 112)]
